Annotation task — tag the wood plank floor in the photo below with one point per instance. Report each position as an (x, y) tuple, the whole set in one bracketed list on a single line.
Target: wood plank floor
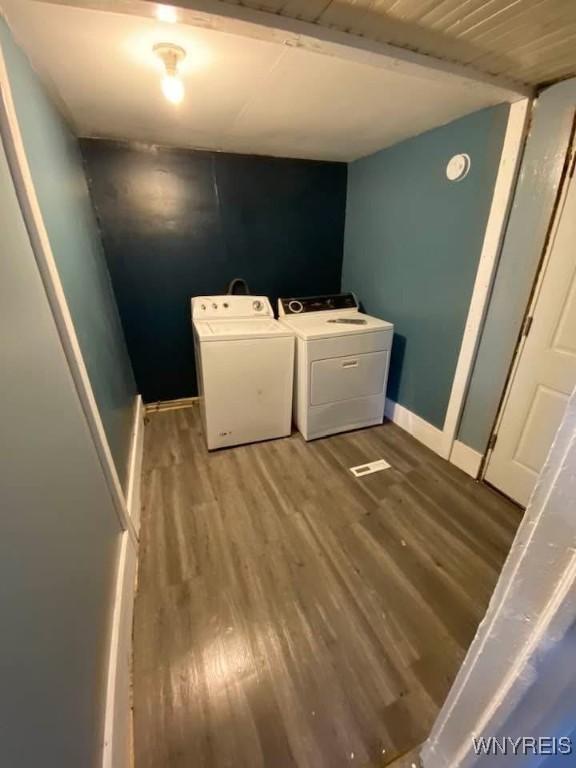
[(290, 614)]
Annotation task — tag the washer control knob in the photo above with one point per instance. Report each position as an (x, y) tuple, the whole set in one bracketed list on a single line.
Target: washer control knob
[(214, 305), (203, 307), (257, 306), (225, 305), (295, 306)]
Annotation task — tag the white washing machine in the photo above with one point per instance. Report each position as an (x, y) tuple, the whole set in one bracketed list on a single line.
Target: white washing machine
[(342, 360), (245, 368)]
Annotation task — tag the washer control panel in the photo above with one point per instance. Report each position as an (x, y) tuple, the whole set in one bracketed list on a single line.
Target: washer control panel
[(209, 307), (298, 306)]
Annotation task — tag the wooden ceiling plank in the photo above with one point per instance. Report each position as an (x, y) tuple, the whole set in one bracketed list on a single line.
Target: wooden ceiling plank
[(506, 18), (551, 52), (520, 28), (538, 13), (383, 27), (272, 6), (505, 12), (526, 65), (308, 10), (447, 11), (547, 78), (365, 18), (401, 34), (429, 14), (383, 6), (528, 33), (550, 74), (411, 10), (490, 10), (346, 14), (530, 62), (378, 20), (506, 22), (547, 73), (503, 64), (547, 43)]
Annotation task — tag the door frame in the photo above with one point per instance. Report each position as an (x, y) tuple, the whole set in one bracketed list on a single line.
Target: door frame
[(568, 171)]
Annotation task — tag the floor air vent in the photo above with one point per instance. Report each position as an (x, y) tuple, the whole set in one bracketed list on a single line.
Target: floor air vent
[(368, 469)]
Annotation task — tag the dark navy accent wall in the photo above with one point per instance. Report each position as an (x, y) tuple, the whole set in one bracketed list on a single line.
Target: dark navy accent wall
[(180, 223)]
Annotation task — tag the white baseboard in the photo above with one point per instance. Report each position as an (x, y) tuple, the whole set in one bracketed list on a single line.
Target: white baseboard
[(117, 748), (135, 465), (425, 433), (466, 458)]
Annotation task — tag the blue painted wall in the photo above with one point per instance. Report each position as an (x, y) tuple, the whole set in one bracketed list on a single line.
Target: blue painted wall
[(56, 167), (59, 533), (521, 252), (412, 244), (177, 223)]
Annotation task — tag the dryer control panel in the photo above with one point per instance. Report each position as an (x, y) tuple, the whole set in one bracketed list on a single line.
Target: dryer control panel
[(299, 306)]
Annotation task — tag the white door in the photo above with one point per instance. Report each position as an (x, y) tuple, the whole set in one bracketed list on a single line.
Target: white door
[(545, 373)]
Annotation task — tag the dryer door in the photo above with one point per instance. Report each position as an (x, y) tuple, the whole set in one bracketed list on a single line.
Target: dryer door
[(345, 378)]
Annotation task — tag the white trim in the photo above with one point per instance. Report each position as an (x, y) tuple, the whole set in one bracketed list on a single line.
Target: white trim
[(171, 405), (135, 464), (272, 27), (423, 431), (494, 233), (466, 458), (24, 185), (117, 747)]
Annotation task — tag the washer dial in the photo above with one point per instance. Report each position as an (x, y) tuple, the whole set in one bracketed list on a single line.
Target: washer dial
[(295, 306)]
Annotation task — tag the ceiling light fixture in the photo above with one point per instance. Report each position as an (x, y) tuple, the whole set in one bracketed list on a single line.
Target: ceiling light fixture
[(171, 56)]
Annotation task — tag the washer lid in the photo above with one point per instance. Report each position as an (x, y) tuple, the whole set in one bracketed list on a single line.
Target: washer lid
[(323, 325), (236, 329)]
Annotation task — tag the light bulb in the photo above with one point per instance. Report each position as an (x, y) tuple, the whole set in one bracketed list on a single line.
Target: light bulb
[(173, 88), (171, 55), (166, 13)]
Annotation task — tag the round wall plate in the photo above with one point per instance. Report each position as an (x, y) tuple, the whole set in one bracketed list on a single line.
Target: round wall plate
[(458, 167)]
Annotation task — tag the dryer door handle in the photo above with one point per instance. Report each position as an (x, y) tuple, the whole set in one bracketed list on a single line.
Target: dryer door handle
[(350, 364)]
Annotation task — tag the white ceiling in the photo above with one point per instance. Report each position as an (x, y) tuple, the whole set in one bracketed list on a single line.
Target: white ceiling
[(243, 94)]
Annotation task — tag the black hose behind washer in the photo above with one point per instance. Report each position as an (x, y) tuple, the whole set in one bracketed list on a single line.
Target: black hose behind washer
[(238, 281)]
